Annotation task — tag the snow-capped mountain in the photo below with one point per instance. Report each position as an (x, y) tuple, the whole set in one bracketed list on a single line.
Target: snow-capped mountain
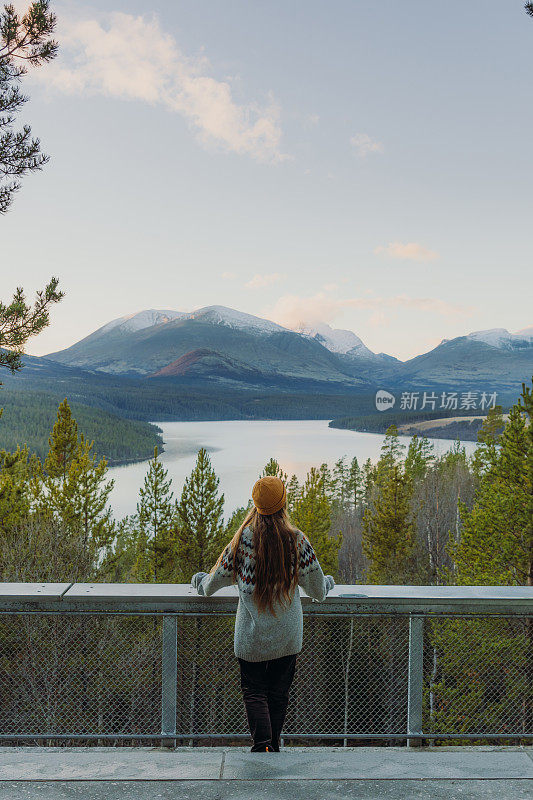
[(220, 344), (213, 315), (152, 341), (336, 340), (221, 315), (140, 320), (344, 342), (502, 339), (333, 339)]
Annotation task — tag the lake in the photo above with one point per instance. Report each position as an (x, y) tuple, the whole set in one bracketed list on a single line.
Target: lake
[(240, 449)]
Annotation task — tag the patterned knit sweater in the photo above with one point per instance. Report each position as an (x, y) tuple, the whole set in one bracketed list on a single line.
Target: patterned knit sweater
[(261, 636)]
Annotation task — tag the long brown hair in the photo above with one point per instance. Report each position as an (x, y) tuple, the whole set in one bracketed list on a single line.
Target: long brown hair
[(276, 557)]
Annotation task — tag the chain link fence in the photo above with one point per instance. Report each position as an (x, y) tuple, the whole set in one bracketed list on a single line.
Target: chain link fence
[(478, 676), (103, 677)]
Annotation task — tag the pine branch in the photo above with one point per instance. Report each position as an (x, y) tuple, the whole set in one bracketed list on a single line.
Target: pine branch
[(23, 40), (19, 321)]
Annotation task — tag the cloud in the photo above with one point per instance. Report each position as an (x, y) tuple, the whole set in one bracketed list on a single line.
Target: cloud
[(130, 57), (410, 251), (311, 120), (293, 311), (378, 319), (228, 276), (365, 145), (261, 281)]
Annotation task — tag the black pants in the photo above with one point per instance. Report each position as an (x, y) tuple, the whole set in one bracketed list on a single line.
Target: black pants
[(265, 687)]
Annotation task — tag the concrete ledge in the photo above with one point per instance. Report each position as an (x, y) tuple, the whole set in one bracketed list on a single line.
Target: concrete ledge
[(117, 764), (379, 763), (234, 765), (266, 790)]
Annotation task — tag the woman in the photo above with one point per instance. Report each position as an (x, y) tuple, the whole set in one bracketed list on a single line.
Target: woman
[(268, 559)]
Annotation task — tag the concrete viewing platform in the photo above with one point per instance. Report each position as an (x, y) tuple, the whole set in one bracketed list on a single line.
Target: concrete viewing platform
[(298, 773)]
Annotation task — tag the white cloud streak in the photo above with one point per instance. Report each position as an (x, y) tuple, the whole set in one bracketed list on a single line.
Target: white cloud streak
[(293, 310), (130, 57), (365, 145), (410, 251), (262, 281)]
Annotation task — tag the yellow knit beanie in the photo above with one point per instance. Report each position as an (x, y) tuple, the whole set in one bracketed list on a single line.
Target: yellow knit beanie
[(269, 495)]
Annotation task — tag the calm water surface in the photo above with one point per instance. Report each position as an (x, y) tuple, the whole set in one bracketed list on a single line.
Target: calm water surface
[(240, 449)]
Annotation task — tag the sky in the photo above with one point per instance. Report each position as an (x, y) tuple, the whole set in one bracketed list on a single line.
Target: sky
[(363, 164)]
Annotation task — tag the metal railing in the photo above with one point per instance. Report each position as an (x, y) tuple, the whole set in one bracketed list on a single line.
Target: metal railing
[(126, 663)]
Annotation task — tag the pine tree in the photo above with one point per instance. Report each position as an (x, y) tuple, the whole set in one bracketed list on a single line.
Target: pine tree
[(143, 570), (273, 468), (75, 487), (340, 481), (496, 545), (233, 524), (312, 515), (327, 479), (420, 457), (200, 516), (63, 443), (354, 486), (15, 497), (368, 479), (388, 532), (489, 435), (294, 491), (84, 495), (391, 456), (156, 523)]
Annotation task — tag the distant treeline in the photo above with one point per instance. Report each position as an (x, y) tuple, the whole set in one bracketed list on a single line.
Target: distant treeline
[(29, 416), (465, 430), (173, 400), (380, 421)]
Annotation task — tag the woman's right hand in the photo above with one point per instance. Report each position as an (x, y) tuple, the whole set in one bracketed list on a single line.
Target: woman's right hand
[(197, 578), (330, 583)]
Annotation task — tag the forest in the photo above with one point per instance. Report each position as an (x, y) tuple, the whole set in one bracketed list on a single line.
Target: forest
[(27, 417)]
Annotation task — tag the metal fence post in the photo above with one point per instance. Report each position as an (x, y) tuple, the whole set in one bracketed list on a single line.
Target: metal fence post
[(169, 679), (415, 679)]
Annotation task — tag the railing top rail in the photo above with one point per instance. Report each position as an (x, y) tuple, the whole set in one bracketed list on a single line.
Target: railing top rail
[(33, 591), (343, 598)]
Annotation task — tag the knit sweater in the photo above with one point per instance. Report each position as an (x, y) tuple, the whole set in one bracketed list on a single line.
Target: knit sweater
[(261, 636)]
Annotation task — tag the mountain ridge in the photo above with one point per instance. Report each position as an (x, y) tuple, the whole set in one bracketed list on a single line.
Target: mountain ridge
[(337, 340), (219, 346), (266, 349)]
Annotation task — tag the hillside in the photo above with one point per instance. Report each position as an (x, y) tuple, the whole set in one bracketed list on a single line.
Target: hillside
[(269, 351), (468, 362), (433, 425), (28, 418)]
